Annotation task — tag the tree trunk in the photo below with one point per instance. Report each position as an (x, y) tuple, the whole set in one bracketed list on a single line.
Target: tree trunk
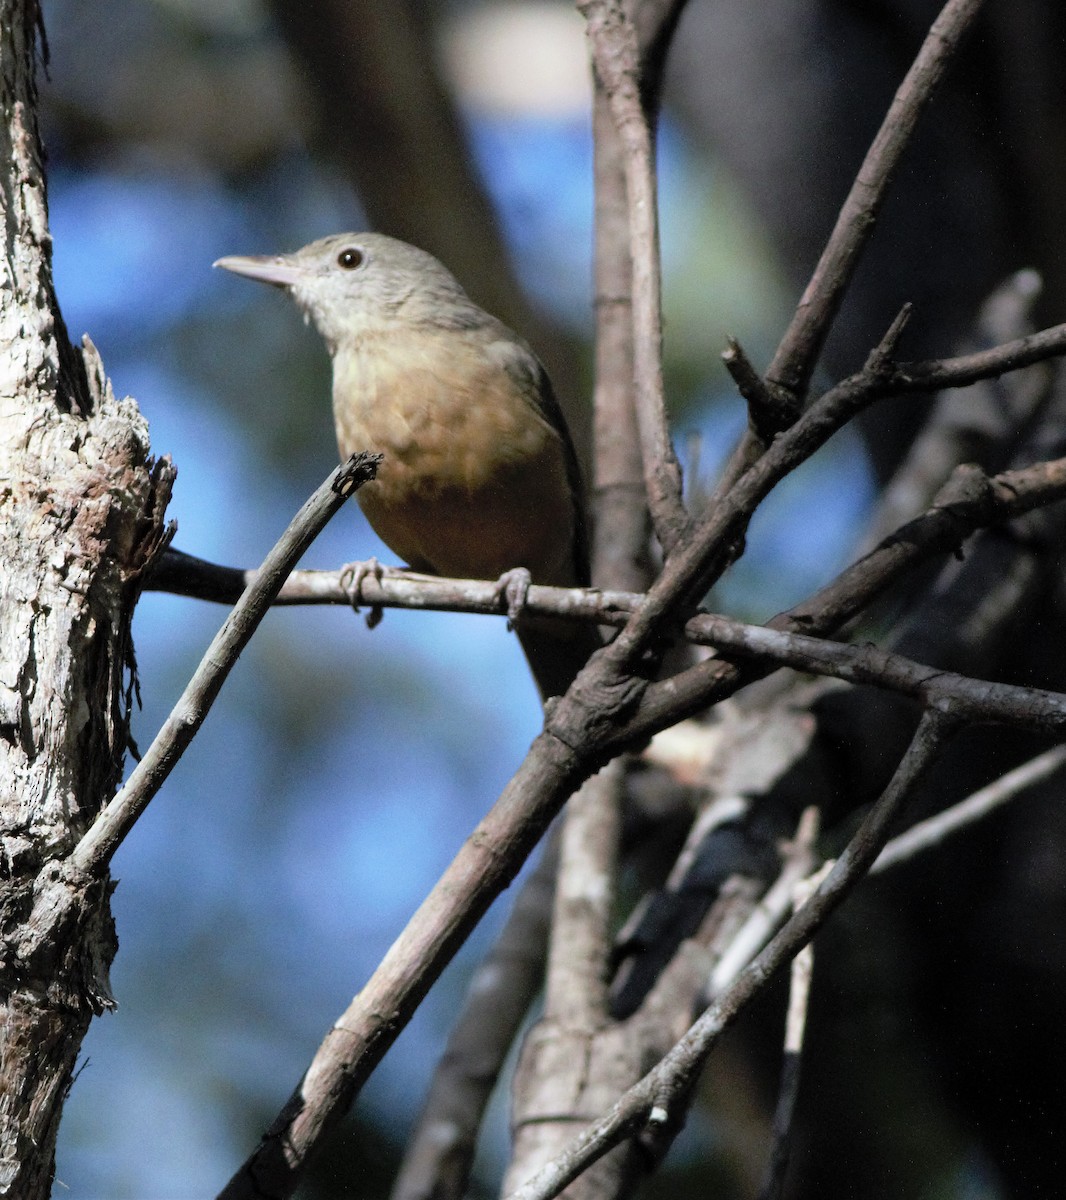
[(80, 513)]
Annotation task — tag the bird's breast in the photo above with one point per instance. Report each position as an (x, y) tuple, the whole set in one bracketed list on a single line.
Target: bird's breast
[(474, 479)]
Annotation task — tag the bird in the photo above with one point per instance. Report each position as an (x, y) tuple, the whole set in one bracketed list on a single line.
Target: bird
[(479, 478)]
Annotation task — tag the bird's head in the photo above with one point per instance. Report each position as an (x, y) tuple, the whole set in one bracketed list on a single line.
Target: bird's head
[(351, 283)]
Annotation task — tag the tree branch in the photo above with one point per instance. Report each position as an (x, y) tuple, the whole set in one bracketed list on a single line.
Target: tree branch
[(802, 343), (576, 989), (969, 502), (648, 1102), (799, 991), (793, 363), (975, 424), (705, 551), (770, 410), (929, 834), (1022, 707), (486, 864), (440, 1151), (616, 56), (105, 835)]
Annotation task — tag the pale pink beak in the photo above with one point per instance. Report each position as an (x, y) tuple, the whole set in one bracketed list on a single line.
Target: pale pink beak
[(273, 269)]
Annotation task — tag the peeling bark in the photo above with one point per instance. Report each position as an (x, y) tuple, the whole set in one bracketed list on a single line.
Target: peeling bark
[(80, 515)]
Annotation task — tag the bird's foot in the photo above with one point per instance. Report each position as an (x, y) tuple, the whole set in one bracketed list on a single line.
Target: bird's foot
[(513, 586), (353, 576)]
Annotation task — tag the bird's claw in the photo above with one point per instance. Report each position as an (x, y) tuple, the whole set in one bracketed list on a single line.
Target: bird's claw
[(513, 586), (353, 576)]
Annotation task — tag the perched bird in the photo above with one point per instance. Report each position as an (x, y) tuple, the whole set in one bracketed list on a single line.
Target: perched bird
[(479, 474)]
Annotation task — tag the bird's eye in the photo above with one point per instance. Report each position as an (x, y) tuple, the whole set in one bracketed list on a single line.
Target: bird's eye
[(350, 259)]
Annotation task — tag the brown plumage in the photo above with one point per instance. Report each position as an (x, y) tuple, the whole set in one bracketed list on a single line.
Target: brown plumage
[(479, 474)]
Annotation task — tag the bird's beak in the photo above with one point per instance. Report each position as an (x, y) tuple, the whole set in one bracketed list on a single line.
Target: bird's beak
[(273, 269)]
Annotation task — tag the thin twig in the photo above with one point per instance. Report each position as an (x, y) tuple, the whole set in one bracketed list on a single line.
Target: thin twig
[(929, 834), (769, 410), (968, 502), (648, 1102), (980, 700), (1024, 707), (943, 527), (705, 552), (965, 369), (118, 817), (973, 424)]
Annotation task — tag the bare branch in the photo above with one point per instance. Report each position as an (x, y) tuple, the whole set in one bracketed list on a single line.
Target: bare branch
[(622, 525), (648, 1102), (769, 410), (440, 1151), (705, 551), (970, 501), (620, 553), (561, 1055), (616, 57), (105, 835), (484, 866), (971, 424), (983, 364), (801, 345), (794, 361), (1022, 707), (929, 834)]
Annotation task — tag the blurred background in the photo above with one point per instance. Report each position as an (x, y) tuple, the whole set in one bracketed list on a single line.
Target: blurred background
[(341, 768)]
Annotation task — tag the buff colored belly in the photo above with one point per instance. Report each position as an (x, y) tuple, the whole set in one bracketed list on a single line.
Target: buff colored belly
[(474, 480)]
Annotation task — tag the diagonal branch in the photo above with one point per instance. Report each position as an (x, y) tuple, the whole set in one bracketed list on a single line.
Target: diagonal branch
[(930, 833), (705, 552), (440, 1151), (103, 838), (977, 699), (794, 361), (486, 864), (789, 373), (647, 1104)]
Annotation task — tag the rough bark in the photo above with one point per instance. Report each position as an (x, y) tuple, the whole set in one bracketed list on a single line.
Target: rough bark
[(80, 508)]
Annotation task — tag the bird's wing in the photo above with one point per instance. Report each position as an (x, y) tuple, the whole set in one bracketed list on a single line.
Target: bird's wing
[(524, 369)]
